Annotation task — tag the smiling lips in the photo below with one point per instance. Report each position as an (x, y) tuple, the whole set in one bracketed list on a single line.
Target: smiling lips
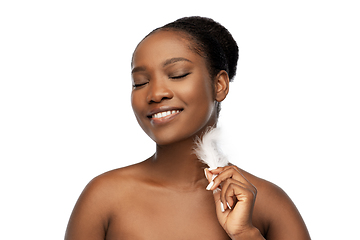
[(164, 114)]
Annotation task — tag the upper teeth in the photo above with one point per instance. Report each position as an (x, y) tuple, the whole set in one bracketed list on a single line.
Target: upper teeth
[(164, 114)]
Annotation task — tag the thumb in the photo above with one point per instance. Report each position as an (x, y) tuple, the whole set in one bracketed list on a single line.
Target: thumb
[(209, 176)]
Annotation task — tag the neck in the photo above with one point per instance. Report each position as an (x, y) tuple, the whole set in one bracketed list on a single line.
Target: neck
[(176, 164)]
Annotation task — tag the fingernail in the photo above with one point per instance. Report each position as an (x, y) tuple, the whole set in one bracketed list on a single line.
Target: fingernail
[(216, 190), (210, 185), (222, 207), (205, 173), (228, 205)]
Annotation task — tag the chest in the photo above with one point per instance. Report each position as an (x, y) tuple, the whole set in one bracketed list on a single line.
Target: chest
[(166, 215)]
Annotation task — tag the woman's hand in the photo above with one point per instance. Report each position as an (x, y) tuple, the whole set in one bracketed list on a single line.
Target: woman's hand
[(234, 197)]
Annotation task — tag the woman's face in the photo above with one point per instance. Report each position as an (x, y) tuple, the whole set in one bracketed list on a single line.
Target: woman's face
[(173, 97)]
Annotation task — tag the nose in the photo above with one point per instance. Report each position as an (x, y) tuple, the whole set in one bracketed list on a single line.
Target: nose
[(158, 91)]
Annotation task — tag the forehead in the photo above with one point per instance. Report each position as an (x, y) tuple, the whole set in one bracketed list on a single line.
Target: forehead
[(163, 45)]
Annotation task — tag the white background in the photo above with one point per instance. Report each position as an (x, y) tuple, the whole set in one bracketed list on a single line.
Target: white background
[(292, 115)]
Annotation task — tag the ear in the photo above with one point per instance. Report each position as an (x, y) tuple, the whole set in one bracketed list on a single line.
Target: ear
[(221, 85)]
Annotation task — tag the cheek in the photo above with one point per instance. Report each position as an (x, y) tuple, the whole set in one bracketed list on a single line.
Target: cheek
[(136, 105), (199, 97), (199, 92), (133, 103)]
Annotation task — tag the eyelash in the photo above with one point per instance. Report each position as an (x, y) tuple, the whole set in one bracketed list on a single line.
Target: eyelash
[(139, 85), (175, 77), (179, 77)]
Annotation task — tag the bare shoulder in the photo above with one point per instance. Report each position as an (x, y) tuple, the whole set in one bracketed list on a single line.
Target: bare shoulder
[(115, 179), (94, 208), (267, 191), (275, 212), (113, 186)]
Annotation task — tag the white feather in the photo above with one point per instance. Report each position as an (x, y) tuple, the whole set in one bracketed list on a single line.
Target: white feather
[(207, 149)]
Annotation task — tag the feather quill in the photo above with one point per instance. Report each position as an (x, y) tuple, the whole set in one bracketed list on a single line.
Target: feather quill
[(207, 149)]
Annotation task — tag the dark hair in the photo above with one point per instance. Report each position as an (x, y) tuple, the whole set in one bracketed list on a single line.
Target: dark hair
[(210, 40)]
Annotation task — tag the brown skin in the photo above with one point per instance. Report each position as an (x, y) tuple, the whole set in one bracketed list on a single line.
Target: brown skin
[(164, 197)]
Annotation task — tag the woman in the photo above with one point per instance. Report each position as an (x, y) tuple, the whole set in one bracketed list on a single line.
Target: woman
[(180, 74)]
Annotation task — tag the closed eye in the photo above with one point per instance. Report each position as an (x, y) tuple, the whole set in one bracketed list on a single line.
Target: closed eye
[(139, 85), (180, 76)]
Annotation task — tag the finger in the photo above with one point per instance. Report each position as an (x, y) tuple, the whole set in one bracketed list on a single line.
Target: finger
[(209, 175), (229, 172), (226, 173), (221, 169), (239, 192), (206, 173), (228, 195), (216, 170), (220, 208)]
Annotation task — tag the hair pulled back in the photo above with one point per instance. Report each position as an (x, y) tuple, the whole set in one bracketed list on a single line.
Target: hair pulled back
[(210, 40)]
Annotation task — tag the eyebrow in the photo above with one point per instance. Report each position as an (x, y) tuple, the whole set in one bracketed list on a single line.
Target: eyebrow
[(174, 60), (166, 63), (138, 69)]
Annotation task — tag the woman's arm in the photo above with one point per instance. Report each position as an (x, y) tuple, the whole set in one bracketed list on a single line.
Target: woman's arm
[(89, 218)]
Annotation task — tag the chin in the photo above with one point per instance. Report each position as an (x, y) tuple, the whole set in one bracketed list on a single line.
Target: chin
[(179, 129), (173, 136), (168, 139)]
